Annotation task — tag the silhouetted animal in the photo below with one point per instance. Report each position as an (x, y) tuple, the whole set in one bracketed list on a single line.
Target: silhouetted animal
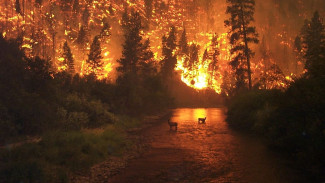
[(172, 124), (202, 120)]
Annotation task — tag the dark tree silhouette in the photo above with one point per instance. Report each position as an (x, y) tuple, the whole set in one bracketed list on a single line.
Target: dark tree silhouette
[(147, 62), (313, 34), (137, 58), (213, 66), (94, 60), (215, 52), (149, 7), (193, 55), (205, 56), (183, 45), (68, 61), (298, 51), (105, 32), (75, 6), (82, 38), (85, 17), (39, 2), (133, 44), (148, 11), (169, 61), (110, 9), (241, 34), (17, 7), (137, 72)]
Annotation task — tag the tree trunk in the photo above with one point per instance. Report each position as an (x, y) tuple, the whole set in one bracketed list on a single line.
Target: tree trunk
[(246, 50)]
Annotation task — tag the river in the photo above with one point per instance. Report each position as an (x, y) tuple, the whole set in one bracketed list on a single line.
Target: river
[(209, 152)]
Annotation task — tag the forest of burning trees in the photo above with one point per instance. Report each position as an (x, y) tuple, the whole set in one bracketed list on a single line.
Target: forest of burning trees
[(67, 32), (130, 55), (69, 65)]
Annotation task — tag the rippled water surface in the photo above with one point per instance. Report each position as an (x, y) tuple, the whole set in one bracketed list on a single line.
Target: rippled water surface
[(209, 152)]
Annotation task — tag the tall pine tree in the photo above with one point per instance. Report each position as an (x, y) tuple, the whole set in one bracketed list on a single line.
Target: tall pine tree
[(67, 56), (136, 65), (183, 45), (193, 56), (313, 35), (169, 61), (137, 58), (299, 54), (82, 38), (241, 34), (105, 32), (132, 46), (94, 60)]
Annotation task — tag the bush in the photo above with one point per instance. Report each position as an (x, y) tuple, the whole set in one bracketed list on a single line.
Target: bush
[(58, 154), (82, 112), (247, 110), (293, 121)]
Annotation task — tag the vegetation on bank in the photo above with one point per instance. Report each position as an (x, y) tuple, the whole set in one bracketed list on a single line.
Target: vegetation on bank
[(59, 154), (293, 121), (56, 107)]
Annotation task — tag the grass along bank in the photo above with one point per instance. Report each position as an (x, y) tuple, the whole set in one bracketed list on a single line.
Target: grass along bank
[(73, 156), (60, 154)]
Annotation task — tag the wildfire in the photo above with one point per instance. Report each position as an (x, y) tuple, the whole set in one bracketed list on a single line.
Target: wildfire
[(45, 27)]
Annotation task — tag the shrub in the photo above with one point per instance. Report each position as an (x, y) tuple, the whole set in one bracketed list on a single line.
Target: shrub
[(81, 111), (293, 121), (247, 110), (58, 154)]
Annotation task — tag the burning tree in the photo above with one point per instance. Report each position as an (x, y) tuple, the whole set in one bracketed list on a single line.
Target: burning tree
[(183, 44), (273, 78), (67, 58), (82, 38), (94, 60), (242, 33), (194, 56), (214, 53), (43, 25)]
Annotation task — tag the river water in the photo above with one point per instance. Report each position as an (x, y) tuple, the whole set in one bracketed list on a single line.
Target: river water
[(209, 152)]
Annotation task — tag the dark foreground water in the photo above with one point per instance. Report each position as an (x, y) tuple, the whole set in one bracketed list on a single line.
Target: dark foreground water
[(208, 152)]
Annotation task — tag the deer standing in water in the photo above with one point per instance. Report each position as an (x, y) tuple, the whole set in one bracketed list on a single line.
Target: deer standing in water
[(172, 124), (202, 120)]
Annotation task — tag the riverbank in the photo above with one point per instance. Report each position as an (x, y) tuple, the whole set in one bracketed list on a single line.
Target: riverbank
[(291, 122), (101, 172), (88, 155)]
